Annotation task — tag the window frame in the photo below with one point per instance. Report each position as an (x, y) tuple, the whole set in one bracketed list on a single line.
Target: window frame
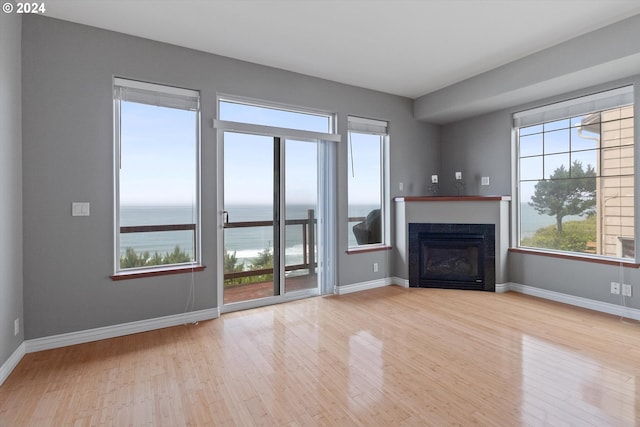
[(379, 128), (168, 97), (326, 183), (569, 109), (276, 106)]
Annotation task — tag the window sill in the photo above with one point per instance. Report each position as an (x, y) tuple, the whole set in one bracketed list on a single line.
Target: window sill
[(365, 249), (138, 274), (585, 258)]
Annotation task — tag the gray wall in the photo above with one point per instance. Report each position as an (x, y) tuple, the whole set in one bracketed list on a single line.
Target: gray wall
[(477, 147), (606, 54), (11, 306), (412, 161), (67, 148), (483, 145)]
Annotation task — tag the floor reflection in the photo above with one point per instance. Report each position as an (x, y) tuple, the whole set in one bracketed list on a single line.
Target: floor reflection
[(432, 358), (593, 393), (366, 370)]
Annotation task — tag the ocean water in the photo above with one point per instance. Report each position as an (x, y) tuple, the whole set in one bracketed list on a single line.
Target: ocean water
[(531, 221), (247, 243), (161, 242)]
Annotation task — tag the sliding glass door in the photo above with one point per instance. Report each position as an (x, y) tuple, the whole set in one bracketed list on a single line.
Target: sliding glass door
[(301, 213), (250, 226), (270, 227)]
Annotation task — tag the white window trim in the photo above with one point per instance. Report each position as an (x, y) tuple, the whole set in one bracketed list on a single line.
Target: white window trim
[(189, 100), (574, 107), (579, 105), (381, 128), (253, 102), (228, 126)]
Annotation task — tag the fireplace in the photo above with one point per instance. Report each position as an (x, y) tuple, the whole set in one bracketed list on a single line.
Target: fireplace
[(452, 256)]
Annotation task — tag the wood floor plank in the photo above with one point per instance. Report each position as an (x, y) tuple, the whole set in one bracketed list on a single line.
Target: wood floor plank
[(388, 356)]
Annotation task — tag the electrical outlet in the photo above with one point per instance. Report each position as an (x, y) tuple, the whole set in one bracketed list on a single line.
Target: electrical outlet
[(80, 209), (375, 267), (615, 288), (16, 326), (626, 290), (484, 180)]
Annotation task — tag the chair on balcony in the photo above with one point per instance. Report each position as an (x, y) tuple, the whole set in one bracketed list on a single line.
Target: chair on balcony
[(370, 230)]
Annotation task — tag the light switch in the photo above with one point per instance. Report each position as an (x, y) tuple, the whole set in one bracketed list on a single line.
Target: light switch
[(485, 180), (80, 209)]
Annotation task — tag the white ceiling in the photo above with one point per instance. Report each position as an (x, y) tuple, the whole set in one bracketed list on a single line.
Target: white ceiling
[(403, 47)]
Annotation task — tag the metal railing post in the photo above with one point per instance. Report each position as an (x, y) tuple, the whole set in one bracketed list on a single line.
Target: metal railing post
[(312, 241)]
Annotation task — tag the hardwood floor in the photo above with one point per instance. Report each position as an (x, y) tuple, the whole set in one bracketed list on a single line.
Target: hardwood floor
[(389, 356)]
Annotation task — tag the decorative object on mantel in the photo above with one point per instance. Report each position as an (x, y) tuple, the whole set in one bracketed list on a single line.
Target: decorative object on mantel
[(459, 184), (434, 188)]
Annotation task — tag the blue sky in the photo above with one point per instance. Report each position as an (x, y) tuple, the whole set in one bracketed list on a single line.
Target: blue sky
[(364, 169), (244, 113), (159, 168), (561, 144), (158, 155), (248, 175)]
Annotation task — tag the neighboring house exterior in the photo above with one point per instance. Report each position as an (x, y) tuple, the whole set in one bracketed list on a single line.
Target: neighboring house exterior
[(615, 190)]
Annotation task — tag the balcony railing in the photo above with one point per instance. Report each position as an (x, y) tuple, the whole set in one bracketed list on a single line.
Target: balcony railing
[(159, 228), (308, 226)]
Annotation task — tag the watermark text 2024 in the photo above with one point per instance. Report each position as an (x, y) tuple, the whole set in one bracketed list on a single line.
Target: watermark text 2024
[(24, 8)]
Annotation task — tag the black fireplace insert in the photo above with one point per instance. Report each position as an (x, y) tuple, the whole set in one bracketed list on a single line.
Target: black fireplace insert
[(452, 256)]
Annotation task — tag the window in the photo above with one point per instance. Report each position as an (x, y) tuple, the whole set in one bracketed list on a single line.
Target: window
[(367, 207), (157, 176), (576, 175), (266, 115)]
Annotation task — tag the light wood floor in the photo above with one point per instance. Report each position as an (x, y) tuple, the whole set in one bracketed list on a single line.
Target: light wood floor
[(389, 356)]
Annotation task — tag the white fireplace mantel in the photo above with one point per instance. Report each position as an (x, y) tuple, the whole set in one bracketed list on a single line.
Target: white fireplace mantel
[(453, 210)]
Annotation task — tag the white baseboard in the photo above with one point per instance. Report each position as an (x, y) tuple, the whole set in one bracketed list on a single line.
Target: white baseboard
[(502, 288), (399, 281), (362, 286), (604, 307), (96, 334), (7, 367)]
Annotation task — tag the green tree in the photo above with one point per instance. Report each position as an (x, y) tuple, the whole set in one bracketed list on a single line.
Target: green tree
[(566, 192), (574, 236), (156, 259), (262, 261), (176, 257), (232, 265), (131, 259)]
